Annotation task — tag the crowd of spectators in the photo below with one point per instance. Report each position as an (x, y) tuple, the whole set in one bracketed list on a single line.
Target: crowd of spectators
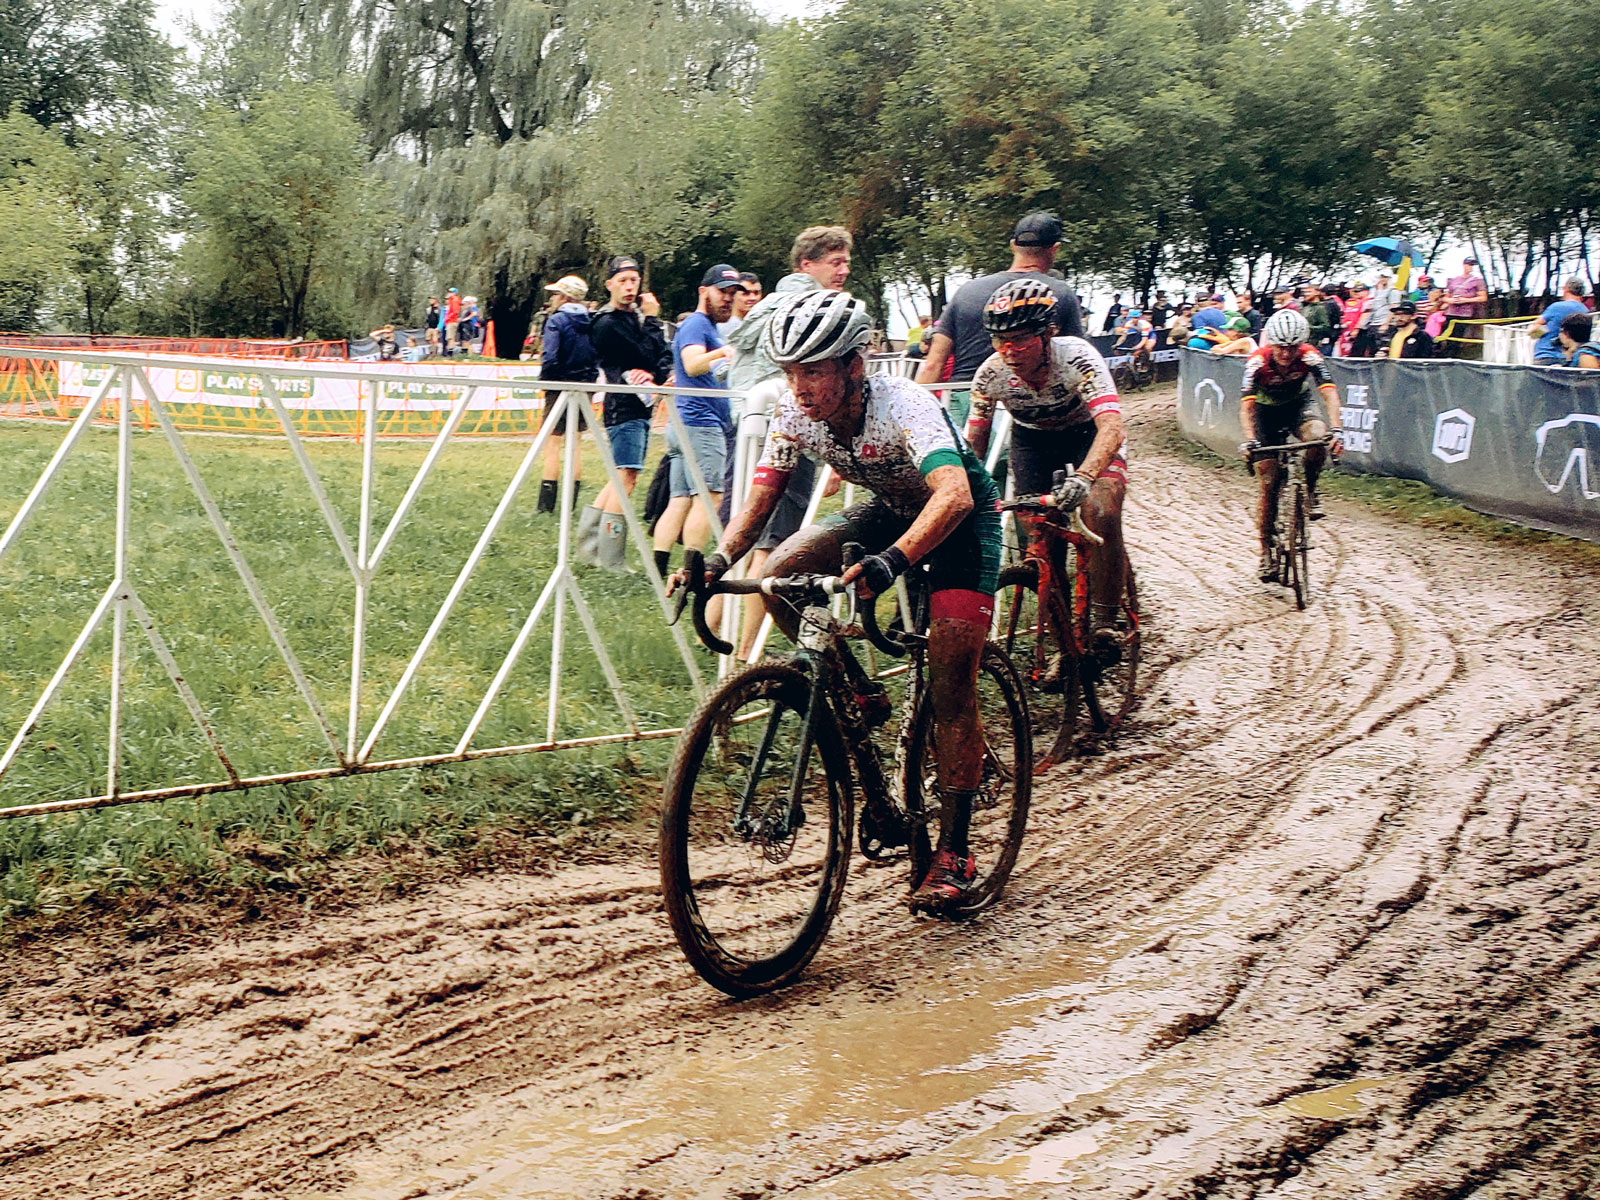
[(1356, 319)]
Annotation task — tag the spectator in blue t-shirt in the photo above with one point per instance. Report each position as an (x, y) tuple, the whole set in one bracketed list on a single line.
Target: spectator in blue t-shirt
[(700, 359), (1209, 315), (1548, 351)]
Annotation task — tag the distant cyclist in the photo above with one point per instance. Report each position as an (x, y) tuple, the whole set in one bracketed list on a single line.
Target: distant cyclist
[(1279, 403), (1065, 414), (932, 500)]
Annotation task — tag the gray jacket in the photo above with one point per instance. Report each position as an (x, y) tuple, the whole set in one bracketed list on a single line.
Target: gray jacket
[(751, 364)]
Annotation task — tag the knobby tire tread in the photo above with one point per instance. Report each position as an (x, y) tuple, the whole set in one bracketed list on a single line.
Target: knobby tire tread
[(742, 978)]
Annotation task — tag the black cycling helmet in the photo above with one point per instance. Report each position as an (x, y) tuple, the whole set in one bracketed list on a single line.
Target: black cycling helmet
[(1020, 306)]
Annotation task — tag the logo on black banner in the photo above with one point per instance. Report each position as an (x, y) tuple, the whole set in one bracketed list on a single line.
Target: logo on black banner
[(1452, 435), (1564, 450), (1357, 418)]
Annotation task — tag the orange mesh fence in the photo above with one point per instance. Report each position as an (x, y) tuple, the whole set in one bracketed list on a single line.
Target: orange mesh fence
[(32, 389), (226, 347)]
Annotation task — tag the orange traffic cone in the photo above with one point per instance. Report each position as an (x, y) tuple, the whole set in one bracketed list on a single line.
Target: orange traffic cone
[(488, 341)]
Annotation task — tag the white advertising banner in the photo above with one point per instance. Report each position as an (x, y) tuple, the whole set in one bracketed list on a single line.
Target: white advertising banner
[(237, 383)]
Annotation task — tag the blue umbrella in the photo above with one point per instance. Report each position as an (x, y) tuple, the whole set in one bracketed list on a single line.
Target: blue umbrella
[(1397, 252), (1390, 250)]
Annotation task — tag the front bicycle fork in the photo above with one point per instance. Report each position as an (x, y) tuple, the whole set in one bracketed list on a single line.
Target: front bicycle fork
[(794, 817)]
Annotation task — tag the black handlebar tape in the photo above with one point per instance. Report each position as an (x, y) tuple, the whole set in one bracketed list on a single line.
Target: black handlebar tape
[(868, 610), (694, 562)]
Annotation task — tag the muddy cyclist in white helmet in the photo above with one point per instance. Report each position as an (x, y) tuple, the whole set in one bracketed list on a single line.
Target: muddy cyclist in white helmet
[(932, 501), (1279, 403)]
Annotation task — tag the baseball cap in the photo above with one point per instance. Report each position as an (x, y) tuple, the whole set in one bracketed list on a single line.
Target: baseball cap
[(1359, 287), (1218, 298), (721, 276), (569, 286), (1406, 306), (621, 263), (1469, 261), (1037, 229)]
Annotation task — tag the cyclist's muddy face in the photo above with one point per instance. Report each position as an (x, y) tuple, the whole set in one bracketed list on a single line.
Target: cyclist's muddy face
[(1021, 352), (821, 389)]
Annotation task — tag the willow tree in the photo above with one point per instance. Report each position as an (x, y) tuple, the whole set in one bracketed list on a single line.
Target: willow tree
[(510, 126)]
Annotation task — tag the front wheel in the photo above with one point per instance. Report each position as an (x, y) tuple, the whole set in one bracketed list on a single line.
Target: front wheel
[(1005, 788), (1038, 635), (755, 831)]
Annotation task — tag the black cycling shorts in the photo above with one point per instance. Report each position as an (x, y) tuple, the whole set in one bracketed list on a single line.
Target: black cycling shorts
[(968, 560), (1280, 423), (1037, 454)]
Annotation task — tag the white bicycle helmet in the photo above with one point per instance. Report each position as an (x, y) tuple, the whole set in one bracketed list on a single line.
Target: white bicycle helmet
[(1285, 328), (811, 326)]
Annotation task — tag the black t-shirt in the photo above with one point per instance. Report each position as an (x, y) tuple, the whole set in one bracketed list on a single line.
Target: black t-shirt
[(962, 319)]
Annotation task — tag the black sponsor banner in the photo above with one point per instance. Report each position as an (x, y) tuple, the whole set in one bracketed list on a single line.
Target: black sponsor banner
[(1516, 442)]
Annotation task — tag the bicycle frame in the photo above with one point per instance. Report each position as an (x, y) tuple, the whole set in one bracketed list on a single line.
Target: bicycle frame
[(821, 652)]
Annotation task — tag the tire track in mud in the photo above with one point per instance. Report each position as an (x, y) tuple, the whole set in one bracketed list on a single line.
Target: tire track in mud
[(1346, 848)]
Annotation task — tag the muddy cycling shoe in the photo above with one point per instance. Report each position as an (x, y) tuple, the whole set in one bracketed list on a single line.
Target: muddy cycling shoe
[(1267, 569), (945, 887), (1050, 681), (1314, 507)]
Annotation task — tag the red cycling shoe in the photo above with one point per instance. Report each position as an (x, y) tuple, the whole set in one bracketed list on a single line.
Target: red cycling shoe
[(946, 883)]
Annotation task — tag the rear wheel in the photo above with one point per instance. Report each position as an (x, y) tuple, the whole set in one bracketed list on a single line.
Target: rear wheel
[(1111, 668), (1005, 788), (751, 880)]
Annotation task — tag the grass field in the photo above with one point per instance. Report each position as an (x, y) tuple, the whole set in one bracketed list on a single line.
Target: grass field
[(280, 836)]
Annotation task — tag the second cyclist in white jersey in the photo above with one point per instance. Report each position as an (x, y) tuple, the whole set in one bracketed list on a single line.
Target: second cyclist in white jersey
[(1066, 416)]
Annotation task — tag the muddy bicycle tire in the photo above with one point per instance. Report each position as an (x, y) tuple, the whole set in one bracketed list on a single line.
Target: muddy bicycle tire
[(1000, 817), (1298, 557), (1109, 693), (750, 912), (1033, 644)]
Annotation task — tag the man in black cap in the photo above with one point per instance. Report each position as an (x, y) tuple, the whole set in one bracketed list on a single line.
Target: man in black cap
[(631, 344), (960, 329), (701, 360), (1407, 339)]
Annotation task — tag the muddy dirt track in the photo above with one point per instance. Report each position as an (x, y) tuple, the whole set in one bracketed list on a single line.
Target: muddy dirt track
[(1324, 924)]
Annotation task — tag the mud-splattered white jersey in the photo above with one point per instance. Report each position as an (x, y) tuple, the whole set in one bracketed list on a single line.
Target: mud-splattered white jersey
[(905, 434), (1079, 389)]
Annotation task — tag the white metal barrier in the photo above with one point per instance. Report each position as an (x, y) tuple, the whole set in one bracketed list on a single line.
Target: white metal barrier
[(1508, 344), (363, 554)]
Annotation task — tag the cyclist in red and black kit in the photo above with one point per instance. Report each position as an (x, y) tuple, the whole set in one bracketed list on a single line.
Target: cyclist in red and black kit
[(1279, 403)]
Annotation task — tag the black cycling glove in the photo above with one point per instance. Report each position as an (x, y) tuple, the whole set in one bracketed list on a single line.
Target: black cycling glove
[(879, 571)]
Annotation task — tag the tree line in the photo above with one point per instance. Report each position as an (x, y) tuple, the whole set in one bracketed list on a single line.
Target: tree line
[(319, 167)]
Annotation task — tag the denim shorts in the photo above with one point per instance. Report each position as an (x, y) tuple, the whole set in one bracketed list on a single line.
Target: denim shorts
[(710, 449), (628, 443)]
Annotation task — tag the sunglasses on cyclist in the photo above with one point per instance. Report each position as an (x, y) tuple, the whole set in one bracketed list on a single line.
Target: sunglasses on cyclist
[(1002, 340)]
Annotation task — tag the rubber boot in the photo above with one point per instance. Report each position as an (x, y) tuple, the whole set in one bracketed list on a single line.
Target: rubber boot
[(577, 486), (547, 495), (663, 562), (613, 548), (586, 541)]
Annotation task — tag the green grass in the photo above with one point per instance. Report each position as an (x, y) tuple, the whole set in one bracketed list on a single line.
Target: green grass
[(288, 837)]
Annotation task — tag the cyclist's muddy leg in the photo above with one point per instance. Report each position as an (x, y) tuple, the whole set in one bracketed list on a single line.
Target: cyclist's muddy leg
[(955, 644), (1102, 512), (1316, 456), (1267, 504), (816, 549)]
